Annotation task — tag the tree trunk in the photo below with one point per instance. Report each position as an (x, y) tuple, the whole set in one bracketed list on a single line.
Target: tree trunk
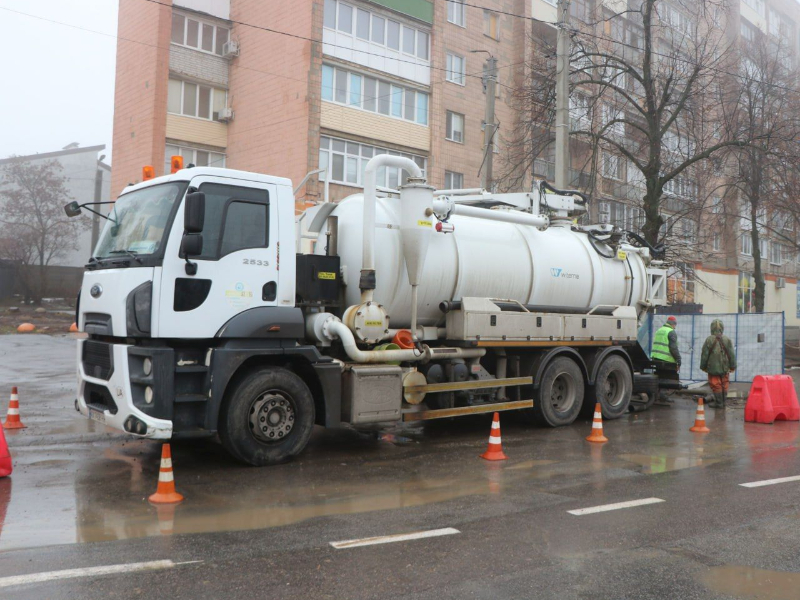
[(652, 218)]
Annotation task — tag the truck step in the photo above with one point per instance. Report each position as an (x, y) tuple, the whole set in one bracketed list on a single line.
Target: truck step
[(191, 369), (444, 413), (190, 398)]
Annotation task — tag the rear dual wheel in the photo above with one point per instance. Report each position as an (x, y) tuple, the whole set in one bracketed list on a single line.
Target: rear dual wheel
[(613, 386), (559, 398)]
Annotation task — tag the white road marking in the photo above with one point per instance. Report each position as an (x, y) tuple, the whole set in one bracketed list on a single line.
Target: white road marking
[(616, 506), (753, 484), (388, 539), (90, 571)]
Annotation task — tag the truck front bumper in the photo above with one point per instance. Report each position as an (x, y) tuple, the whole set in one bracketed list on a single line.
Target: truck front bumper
[(104, 393)]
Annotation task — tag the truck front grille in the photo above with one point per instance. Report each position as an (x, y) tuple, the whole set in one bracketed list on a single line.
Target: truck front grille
[(97, 359)]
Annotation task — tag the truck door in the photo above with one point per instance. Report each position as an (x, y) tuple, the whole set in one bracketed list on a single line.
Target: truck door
[(237, 270)]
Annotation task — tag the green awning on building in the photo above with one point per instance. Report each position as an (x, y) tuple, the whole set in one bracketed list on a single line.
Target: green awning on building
[(419, 9)]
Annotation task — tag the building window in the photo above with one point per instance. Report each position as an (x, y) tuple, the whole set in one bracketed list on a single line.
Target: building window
[(580, 9), (681, 283), (374, 95), (198, 34), (579, 111), (611, 120), (748, 30), (491, 24), (345, 162), (193, 156), (756, 5), (747, 244), (456, 69), (455, 127), (376, 29), (611, 166), (717, 242), (195, 100), (455, 12), (453, 181), (747, 292), (778, 253)]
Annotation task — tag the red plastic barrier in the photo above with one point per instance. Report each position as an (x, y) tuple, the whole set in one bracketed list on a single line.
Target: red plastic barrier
[(772, 398), (5, 456)]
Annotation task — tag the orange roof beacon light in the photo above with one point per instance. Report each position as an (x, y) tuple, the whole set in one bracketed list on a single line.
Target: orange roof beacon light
[(148, 172), (176, 163)]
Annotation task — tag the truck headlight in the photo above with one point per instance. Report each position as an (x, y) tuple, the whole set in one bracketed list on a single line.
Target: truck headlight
[(138, 309), (147, 366), (148, 394)]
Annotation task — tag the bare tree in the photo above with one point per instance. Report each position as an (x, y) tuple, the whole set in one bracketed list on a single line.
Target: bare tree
[(766, 109), (646, 85), (33, 227)]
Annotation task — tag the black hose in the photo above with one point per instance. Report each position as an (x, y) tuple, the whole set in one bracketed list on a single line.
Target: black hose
[(656, 251), (546, 186), (593, 239)]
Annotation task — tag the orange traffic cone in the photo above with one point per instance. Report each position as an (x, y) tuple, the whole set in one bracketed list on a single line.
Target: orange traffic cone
[(495, 449), (165, 492), (12, 416), (596, 435), (73, 328), (700, 419), (5, 460)]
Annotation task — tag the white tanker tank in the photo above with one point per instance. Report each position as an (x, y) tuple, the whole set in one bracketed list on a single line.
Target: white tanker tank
[(552, 266)]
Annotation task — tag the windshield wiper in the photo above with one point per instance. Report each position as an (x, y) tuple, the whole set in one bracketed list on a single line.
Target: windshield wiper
[(130, 253)]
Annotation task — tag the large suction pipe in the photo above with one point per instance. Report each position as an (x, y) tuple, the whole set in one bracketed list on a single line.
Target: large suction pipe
[(367, 281), (446, 206), (338, 329)]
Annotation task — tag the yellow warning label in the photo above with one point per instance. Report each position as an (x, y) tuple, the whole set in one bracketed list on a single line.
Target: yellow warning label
[(622, 255), (326, 275), (373, 323), (422, 223)]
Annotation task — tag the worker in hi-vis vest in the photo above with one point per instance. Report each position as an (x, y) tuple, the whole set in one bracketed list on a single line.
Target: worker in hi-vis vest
[(665, 345)]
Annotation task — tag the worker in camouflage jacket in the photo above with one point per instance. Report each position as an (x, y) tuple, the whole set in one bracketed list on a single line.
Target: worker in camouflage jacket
[(718, 360)]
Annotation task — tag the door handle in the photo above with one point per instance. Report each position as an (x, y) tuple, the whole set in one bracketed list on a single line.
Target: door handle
[(269, 292)]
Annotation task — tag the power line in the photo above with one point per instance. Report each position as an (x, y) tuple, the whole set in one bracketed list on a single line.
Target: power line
[(476, 74)]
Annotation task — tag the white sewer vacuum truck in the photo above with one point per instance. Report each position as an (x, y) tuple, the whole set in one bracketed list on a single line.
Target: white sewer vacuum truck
[(203, 318)]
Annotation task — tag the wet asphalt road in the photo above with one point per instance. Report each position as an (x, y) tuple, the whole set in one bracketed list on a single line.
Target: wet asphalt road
[(77, 500)]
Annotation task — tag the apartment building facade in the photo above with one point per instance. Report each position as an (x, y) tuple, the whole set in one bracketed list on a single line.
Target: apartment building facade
[(289, 88), (711, 248)]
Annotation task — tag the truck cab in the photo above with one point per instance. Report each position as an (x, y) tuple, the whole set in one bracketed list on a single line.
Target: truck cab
[(157, 316)]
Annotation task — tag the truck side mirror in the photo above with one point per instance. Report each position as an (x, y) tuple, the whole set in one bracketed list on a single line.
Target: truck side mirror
[(191, 245), (72, 209), (194, 212)]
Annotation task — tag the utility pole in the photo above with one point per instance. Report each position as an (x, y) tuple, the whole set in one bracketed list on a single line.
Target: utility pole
[(489, 125), (562, 97)]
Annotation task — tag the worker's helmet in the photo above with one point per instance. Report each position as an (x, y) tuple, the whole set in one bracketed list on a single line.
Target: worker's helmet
[(671, 320)]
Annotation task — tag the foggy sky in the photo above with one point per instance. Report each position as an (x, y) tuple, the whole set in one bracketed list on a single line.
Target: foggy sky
[(58, 81)]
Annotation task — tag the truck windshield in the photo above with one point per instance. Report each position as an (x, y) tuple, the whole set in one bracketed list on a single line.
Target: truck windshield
[(137, 223)]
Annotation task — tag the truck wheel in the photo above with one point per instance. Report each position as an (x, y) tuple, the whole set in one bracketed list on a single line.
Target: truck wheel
[(613, 386), (267, 417), (559, 398)]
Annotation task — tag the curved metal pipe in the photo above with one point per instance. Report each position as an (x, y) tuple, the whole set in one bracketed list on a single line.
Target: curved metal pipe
[(340, 330), (370, 200)]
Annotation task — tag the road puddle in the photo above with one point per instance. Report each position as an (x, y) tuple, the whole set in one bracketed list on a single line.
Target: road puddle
[(651, 464), (752, 583)]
